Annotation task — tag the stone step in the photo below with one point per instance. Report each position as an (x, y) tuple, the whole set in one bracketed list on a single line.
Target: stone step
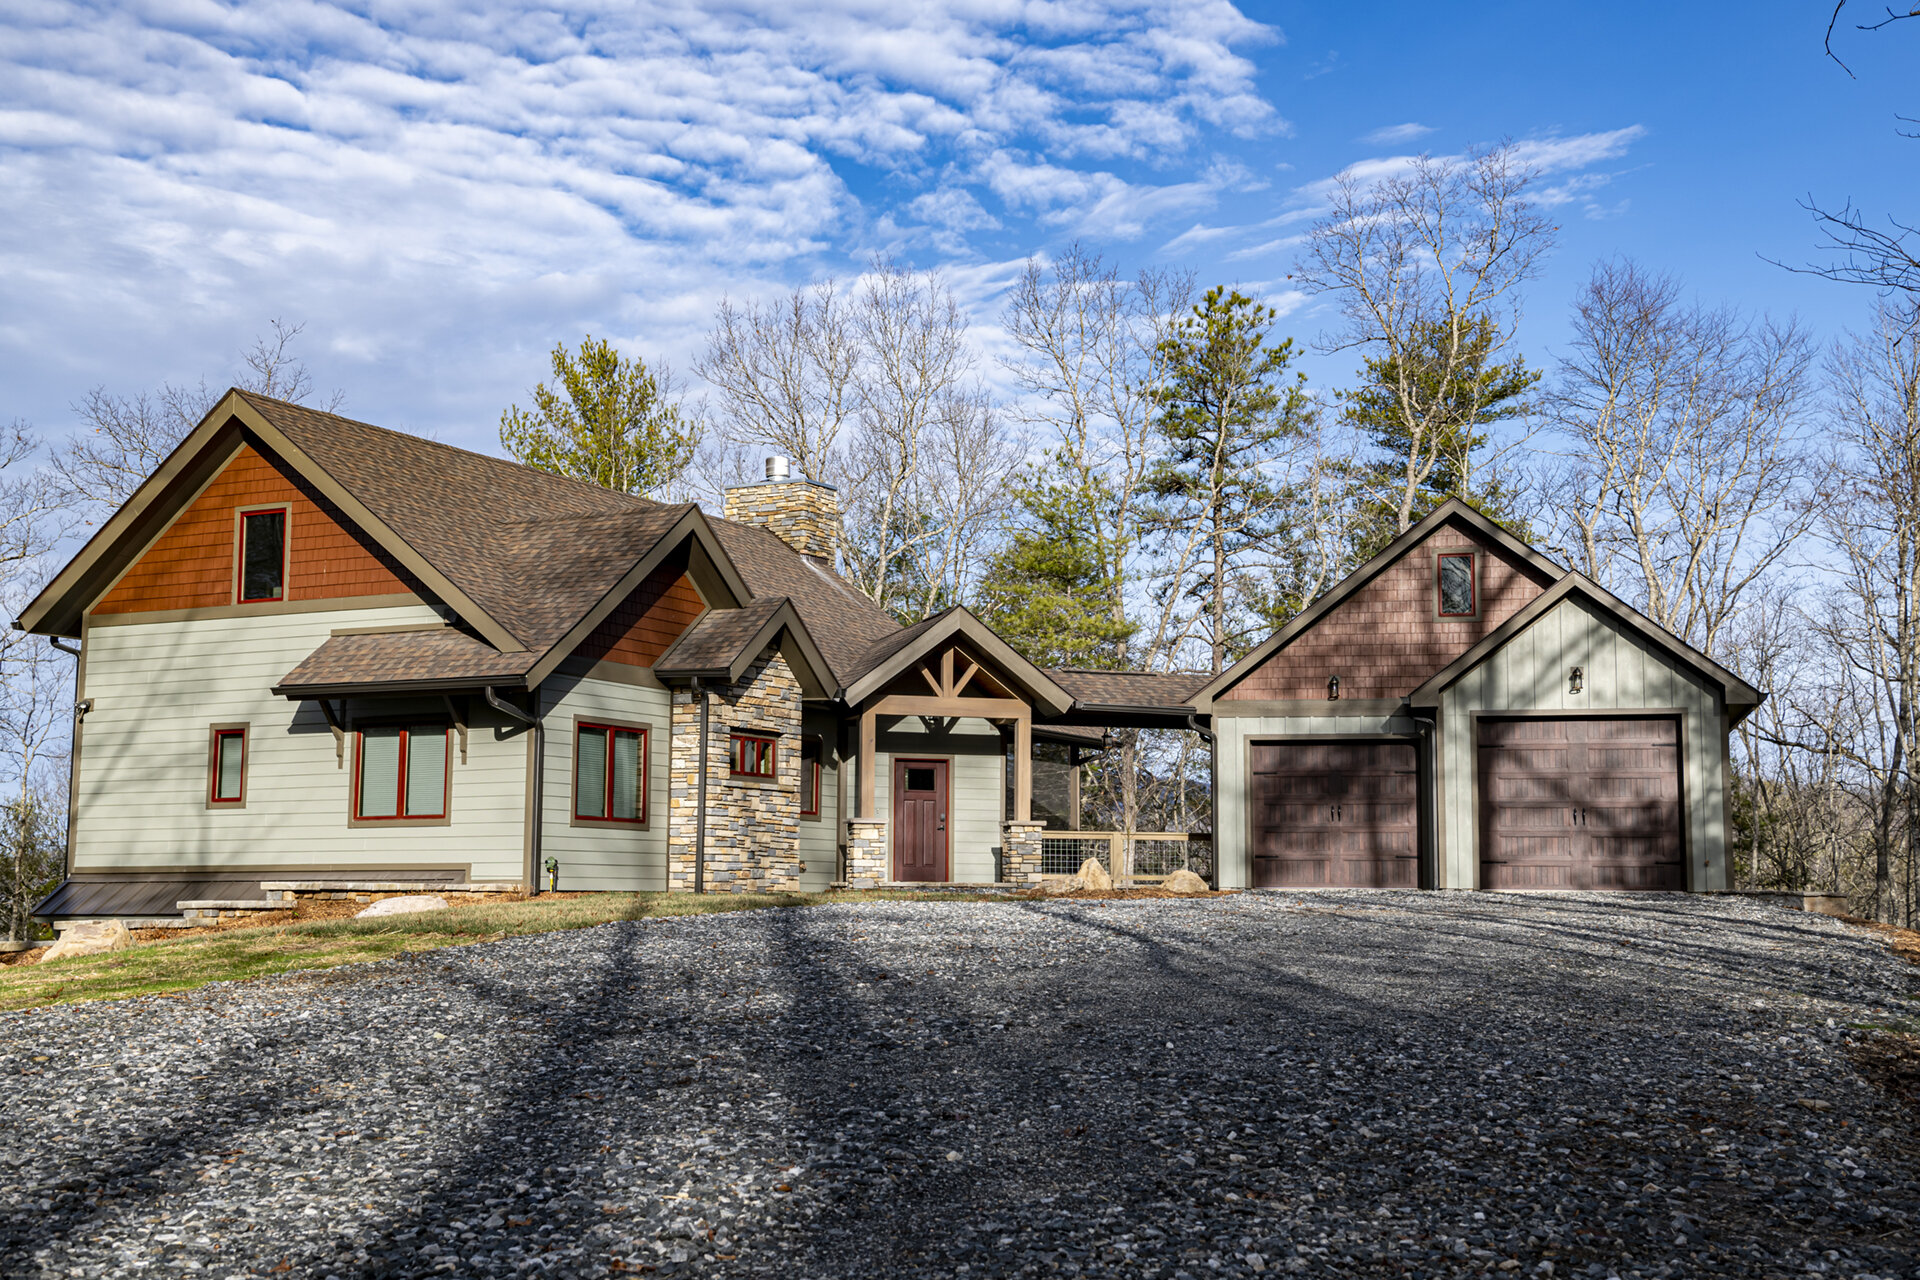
[(389, 886), (229, 904)]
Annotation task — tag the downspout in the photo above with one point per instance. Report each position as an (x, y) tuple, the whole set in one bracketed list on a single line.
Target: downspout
[(1213, 795), (700, 797), (80, 710), (512, 712)]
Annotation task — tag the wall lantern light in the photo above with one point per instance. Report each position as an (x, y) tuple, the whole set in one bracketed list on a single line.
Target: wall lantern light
[(1575, 679), (1333, 688), (1106, 739)]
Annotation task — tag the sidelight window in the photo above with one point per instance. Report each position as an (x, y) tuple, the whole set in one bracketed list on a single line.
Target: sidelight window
[(1458, 596), (401, 773)]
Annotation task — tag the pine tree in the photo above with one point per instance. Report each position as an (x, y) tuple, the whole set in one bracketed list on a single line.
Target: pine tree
[(1046, 589), (1460, 407), (609, 420), (1226, 415)]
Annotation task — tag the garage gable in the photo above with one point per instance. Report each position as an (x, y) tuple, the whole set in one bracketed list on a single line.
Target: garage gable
[(1383, 631)]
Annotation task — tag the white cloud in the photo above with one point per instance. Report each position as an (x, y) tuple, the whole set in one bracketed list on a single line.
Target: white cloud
[(1394, 135), (441, 191)]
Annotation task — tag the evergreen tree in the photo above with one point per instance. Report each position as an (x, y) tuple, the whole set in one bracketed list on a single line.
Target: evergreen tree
[(1046, 589), (608, 420), (1459, 408), (1226, 414)]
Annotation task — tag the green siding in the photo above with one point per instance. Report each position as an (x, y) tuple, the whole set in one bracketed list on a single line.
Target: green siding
[(819, 839), (602, 857), (1622, 673)]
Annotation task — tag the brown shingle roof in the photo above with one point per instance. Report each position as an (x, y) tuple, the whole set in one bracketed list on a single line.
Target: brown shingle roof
[(716, 638), (1131, 688), (843, 623), (444, 655)]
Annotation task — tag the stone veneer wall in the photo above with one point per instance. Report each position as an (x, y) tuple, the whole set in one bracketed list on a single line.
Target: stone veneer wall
[(753, 826), (1020, 851), (866, 852), (802, 514)]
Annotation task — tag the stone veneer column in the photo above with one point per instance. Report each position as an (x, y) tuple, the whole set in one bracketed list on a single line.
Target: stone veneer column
[(1020, 851), (866, 853), (753, 825)]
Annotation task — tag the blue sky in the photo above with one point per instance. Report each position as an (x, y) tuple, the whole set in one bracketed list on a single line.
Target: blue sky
[(440, 191)]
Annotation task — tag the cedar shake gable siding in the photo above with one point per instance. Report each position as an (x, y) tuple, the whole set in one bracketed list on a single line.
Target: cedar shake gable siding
[(1387, 638), (648, 621), (191, 565)]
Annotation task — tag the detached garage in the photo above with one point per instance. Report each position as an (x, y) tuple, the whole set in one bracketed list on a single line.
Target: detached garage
[(1462, 713)]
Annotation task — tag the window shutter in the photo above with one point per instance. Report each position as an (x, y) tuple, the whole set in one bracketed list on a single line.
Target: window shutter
[(626, 775), (426, 771), (380, 773), (590, 787)]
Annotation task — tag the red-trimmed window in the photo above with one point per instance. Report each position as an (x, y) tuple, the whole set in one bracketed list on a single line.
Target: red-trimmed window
[(610, 773), (752, 755), (1458, 597), (228, 785), (401, 772), (810, 754), (263, 555)]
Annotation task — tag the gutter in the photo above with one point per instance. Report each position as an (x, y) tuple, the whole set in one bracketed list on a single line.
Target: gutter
[(512, 712)]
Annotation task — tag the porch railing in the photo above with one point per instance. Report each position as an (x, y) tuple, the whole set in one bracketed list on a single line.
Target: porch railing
[(1141, 857)]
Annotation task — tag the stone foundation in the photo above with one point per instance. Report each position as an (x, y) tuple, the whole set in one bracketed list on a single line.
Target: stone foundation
[(866, 853), (753, 824), (1020, 851)]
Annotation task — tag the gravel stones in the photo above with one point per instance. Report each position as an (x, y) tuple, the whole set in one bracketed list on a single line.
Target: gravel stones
[(1356, 1083)]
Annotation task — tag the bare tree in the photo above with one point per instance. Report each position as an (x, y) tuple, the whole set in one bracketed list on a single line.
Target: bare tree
[(784, 373), (128, 437), (1687, 471), (1871, 515), (35, 714), (1427, 266)]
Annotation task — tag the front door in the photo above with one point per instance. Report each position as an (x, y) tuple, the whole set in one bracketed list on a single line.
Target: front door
[(920, 820)]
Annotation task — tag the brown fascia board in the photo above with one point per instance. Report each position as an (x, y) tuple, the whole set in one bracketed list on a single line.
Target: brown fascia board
[(58, 608), (384, 688), (1738, 695), (786, 619), (1451, 509), (958, 621), (691, 524), (463, 605)]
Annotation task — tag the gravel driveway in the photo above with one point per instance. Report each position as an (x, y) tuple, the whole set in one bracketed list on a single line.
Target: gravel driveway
[(1350, 1083)]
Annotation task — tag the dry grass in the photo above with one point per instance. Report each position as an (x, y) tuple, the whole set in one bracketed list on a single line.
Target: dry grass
[(181, 960)]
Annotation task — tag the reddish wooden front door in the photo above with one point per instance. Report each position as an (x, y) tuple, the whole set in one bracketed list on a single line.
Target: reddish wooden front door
[(1580, 803), (920, 820), (1340, 814)]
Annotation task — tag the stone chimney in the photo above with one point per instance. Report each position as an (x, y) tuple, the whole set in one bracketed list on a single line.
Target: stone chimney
[(801, 513)]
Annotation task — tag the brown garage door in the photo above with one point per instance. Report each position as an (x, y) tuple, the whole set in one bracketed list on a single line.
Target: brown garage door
[(1335, 813), (1580, 804)]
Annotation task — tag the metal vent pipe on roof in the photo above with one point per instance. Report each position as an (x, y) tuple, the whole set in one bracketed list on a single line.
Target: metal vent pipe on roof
[(777, 469)]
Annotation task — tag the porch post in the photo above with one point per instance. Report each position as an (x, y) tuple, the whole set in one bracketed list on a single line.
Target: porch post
[(868, 753), (1023, 767), (1073, 788)]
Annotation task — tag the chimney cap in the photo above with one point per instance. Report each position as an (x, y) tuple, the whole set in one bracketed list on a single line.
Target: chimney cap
[(777, 468)]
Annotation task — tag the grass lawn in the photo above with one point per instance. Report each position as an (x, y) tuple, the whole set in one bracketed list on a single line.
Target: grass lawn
[(152, 968)]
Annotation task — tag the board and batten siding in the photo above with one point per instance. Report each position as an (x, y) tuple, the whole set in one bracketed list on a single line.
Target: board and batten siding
[(604, 856), (1620, 673), (141, 784), (1233, 736), (820, 837), (976, 788)]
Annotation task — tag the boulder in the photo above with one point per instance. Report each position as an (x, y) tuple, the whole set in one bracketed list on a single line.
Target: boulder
[(89, 938), (1060, 886), (1184, 881), (1094, 876), (404, 905)]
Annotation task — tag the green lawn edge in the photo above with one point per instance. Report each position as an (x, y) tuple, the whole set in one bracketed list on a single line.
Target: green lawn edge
[(173, 966)]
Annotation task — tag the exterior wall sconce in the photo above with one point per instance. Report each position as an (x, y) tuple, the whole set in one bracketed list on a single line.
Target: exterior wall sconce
[(1333, 688), (1575, 679)]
